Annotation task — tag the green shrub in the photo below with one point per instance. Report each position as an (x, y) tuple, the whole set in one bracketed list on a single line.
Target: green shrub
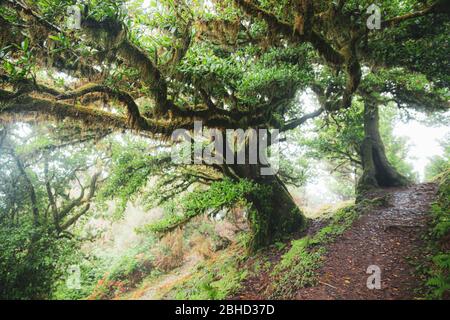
[(438, 273), (31, 260)]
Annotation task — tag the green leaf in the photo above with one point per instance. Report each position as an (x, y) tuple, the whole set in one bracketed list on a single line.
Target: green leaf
[(25, 44)]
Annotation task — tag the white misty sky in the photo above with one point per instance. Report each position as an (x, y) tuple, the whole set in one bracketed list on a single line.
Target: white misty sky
[(424, 142)]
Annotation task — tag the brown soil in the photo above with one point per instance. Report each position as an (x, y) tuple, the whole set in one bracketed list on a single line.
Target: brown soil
[(390, 237)]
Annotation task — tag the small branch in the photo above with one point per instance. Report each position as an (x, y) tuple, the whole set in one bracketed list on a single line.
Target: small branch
[(328, 285), (298, 122), (31, 190), (20, 7), (135, 118), (51, 198), (438, 7)]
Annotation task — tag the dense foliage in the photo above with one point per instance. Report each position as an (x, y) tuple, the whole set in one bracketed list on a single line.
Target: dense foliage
[(438, 272), (105, 94)]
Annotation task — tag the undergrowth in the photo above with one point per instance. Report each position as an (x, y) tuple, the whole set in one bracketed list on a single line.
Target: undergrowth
[(297, 267), (125, 274), (214, 279), (224, 274), (438, 271)]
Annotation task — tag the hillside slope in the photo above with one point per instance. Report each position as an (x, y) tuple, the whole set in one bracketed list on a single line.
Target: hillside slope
[(389, 236), (330, 260)]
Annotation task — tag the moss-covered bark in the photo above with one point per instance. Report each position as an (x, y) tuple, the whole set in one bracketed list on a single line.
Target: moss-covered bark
[(377, 170), (274, 214)]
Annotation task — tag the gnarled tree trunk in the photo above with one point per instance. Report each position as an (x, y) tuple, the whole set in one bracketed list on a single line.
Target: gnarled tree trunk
[(273, 213), (377, 171)]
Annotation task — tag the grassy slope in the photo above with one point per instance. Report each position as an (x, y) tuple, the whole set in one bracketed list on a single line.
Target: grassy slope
[(284, 268), (438, 267), (293, 264)]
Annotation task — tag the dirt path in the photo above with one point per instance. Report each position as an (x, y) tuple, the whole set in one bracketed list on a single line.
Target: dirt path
[(390, 238)]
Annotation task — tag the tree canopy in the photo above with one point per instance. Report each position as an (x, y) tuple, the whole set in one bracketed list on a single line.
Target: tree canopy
[(231, 64)]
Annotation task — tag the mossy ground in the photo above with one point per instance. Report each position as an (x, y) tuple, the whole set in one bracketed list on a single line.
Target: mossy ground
[(289, 265), (279, 271), (437, 268)]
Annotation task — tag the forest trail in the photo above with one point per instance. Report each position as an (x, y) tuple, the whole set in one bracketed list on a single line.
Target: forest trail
[(388, 237)]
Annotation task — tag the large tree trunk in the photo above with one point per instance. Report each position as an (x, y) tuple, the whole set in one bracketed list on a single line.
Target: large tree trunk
[(273, 214), (377, 171)]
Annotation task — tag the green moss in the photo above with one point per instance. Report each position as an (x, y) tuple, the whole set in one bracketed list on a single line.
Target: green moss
[(297, 267), (222, 194), (268, 222), (438, 270)]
